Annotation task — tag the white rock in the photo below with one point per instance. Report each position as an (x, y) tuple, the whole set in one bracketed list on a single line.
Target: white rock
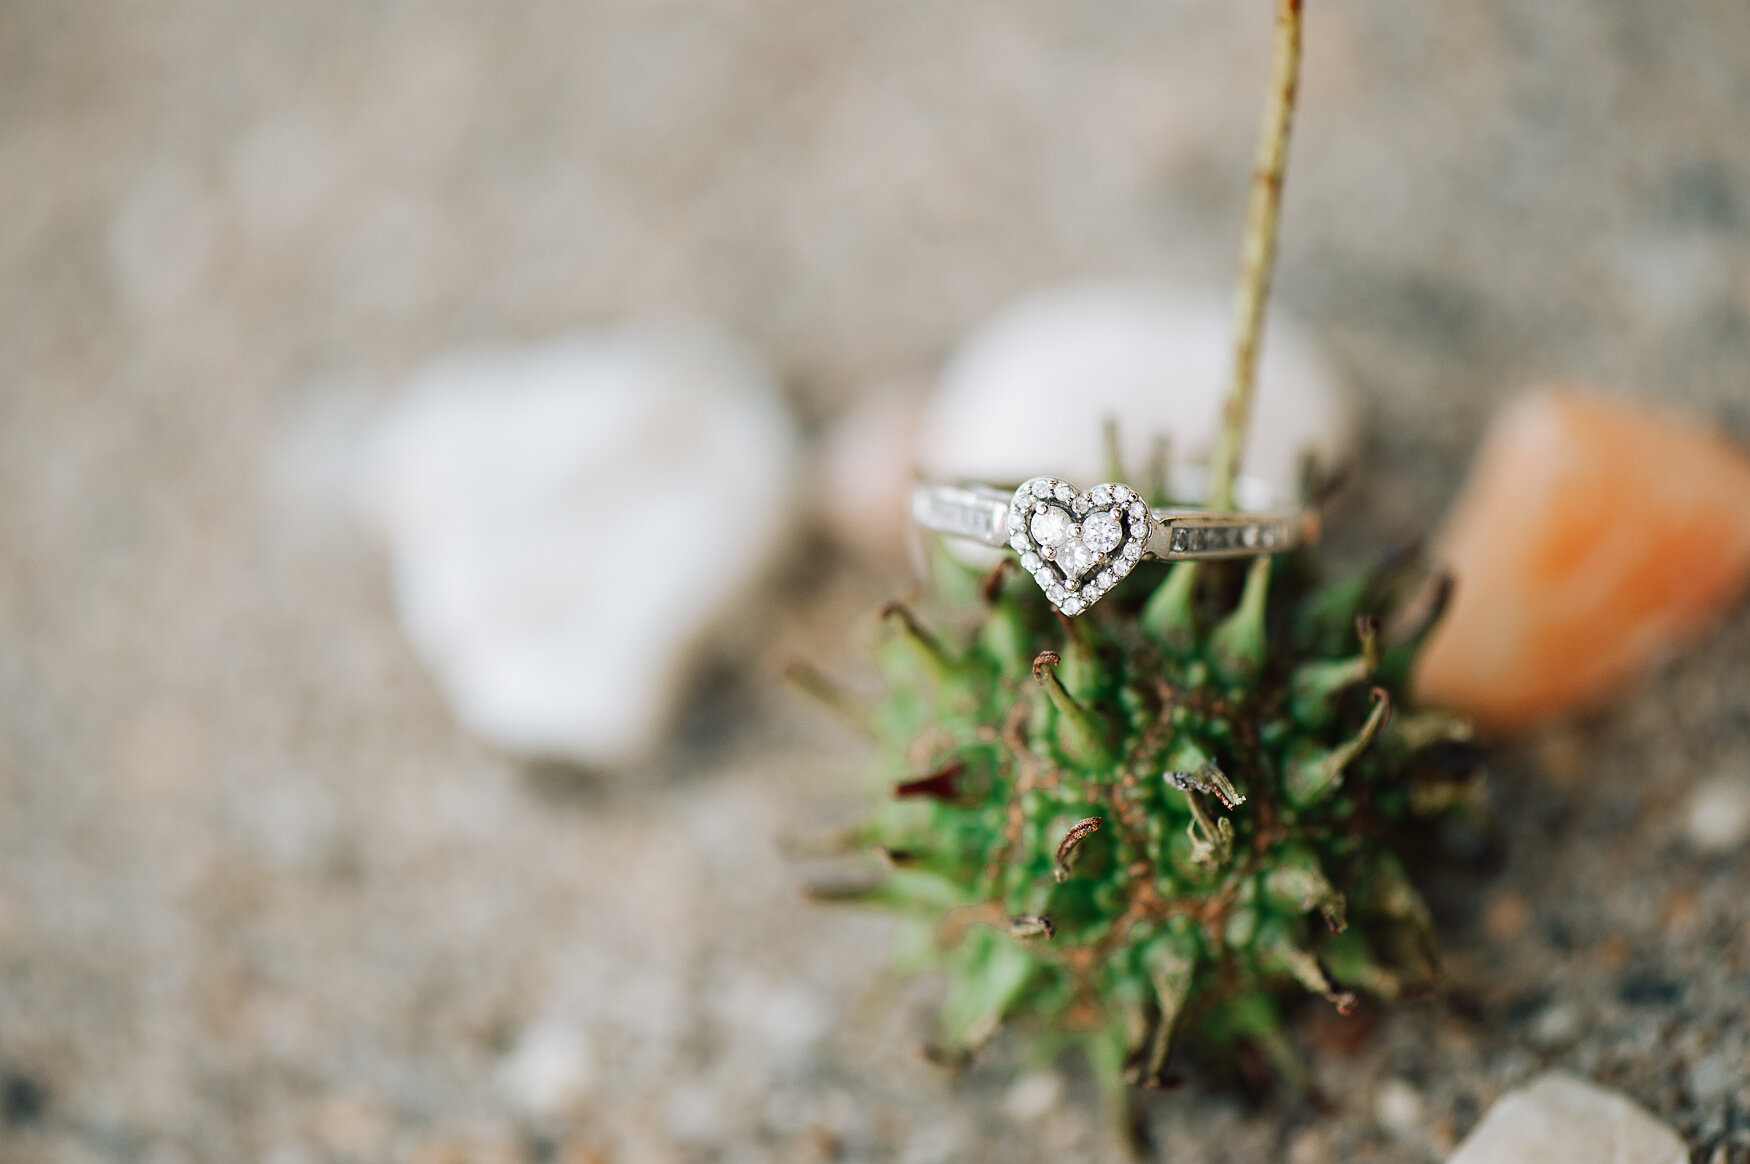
[(1718, 818), (1033, 1096), (549, 1070), (567, 521), (1559, 1119), (1398, 1108), (1029, 391)]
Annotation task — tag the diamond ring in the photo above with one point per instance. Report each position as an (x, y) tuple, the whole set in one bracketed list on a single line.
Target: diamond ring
[(1079, 544)]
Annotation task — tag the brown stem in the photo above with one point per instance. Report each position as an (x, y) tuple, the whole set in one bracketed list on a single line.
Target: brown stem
[(1258, 249)]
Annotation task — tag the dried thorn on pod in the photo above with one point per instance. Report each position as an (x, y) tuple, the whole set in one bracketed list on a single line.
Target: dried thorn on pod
[(925, 645), (1207, 778), (1367, 630), (1072, 840), (991, 585), (942, 784)]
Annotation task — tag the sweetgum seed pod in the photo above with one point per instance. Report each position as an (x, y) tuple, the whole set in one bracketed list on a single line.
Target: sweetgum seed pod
[(1241, 788)]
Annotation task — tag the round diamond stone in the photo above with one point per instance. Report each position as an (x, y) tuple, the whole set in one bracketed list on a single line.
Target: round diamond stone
[(1072, 606), (1123, 493), (1064, 493), (1105, 579), (1101, 495), (1030, 562), (1019, 541), (1138, 511), (1050, 527), (1076, 558), (1102, 532)]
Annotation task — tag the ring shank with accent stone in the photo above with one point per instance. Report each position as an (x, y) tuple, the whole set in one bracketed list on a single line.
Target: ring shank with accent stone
[(1077, 545)]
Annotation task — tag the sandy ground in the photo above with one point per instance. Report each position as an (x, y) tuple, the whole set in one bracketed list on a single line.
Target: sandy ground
[(261, 900)]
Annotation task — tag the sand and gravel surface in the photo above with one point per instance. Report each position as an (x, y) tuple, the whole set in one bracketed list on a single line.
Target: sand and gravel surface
[(260, 899)]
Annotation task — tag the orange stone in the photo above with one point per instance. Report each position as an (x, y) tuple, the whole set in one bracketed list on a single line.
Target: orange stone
[(1593, 534)]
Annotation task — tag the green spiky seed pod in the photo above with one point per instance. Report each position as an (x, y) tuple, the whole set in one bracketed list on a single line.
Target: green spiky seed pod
[(1141, 827)]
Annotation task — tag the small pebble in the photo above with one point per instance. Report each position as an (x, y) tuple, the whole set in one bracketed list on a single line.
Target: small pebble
[(1033, 1096), (549, 1070), (1556, 1026), (1718, 816), (1559, 1119), (1398, 1108), (1717, 1074), (1508, 916), (1310, 1146)]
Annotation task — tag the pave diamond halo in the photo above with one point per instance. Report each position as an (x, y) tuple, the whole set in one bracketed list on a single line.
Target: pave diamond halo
[(1077, 545)]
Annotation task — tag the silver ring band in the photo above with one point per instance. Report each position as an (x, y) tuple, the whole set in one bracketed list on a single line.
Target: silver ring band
[(1078, 544)]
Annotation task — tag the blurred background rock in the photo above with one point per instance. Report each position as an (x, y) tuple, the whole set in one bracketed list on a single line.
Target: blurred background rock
[(261, 898)]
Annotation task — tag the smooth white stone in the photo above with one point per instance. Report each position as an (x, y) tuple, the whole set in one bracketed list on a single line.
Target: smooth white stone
[(1718, 819), (1034, 1095), (1027, 393), (568, 521), (1559, 1119), (1398, 1108), (549, 1070), (1051, 527), (1102, 532)]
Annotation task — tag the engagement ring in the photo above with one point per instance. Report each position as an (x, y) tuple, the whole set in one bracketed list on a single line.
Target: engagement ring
[(1078, 545)]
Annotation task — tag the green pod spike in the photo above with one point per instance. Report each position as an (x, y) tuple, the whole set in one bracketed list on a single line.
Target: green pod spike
[(1083, 734), (1279, 951), (1350, 961), (990, 971), (1171, 962), (917, 646), (957, 681), (916, 892), (1428, 726), (1169, 616), (1408, 633), (1293, 878), (1331, 610), (828, 693), (1255, 1018), (1313, 773), (1236, 647), (1084, 675), (1005, 637), (1313, 687), (1391, 894)]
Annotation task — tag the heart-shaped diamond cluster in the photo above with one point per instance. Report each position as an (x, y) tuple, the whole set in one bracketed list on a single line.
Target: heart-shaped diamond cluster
[(1077, 545)]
